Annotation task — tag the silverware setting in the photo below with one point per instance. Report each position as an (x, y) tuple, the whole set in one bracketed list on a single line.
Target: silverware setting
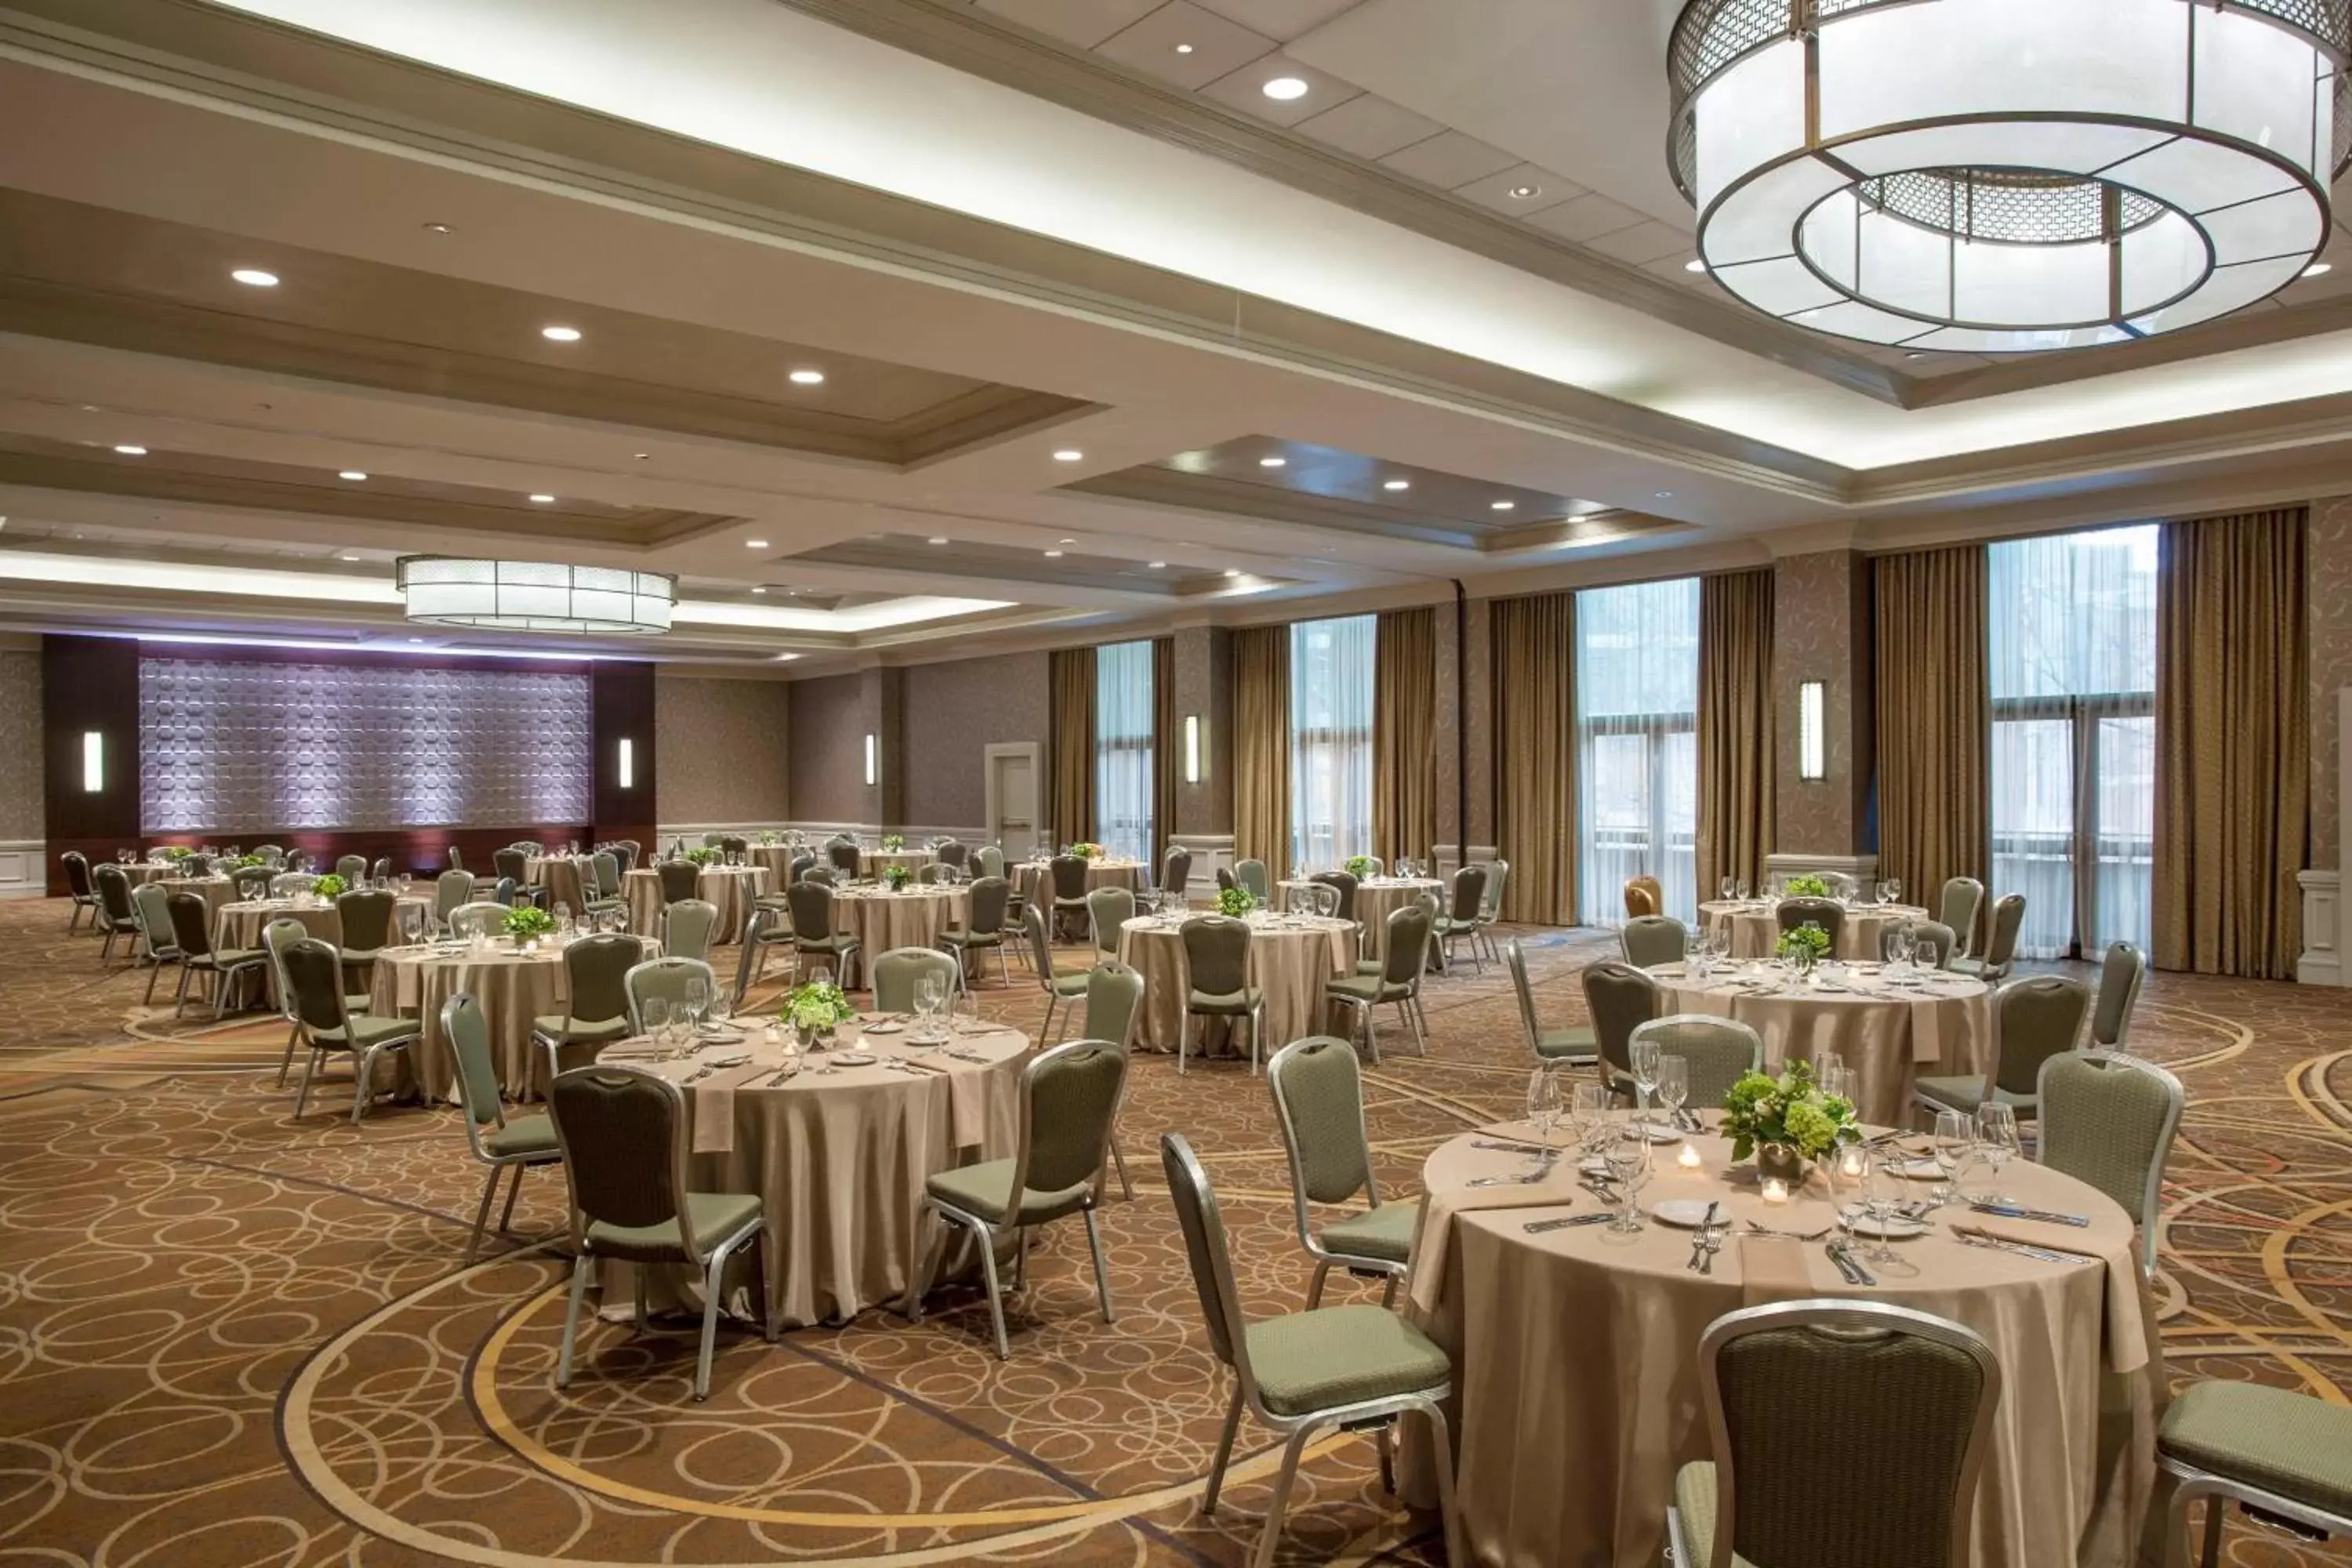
[(1969, 1236), (1756, 1229), (1537, 1226), (2042, 1217), (1528, 1180), (1841, 1256), (1704, 1245)]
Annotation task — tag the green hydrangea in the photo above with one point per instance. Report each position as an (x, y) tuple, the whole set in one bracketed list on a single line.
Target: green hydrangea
[(1808, 887)]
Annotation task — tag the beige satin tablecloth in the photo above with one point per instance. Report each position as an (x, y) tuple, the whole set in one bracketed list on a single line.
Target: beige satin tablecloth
[(1290, 958), (881, 920), (512, 987), (1888, 1031), (1035, 882), (1577, 1383), (732, 888), (839, 1161), (1755, 928), (1376, 899), (778, 858), (240, 924), (215, 891)]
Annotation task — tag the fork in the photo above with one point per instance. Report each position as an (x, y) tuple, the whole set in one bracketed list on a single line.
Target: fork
[(1756, 1229), (1711, 1242), (1528, 1180)]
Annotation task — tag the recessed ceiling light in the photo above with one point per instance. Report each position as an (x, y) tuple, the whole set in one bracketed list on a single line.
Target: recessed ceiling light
[(640, 456), (786, 657), (755, 544), (1069, 455), (438, 229), (1695, 264), (1916, 353), (131, 451), (1053, 555), (806, 376), (416, 639), (1065, 541), (255, 278), (1273, 462), (939, 539), (347, 555), (2317, 268), (1183, 49), (559, 334), (758, 590), (1396, 484), (1501, 505), (1665, 495), (542, 499), (1521, 192), (1233, 571), (1158, 565), (1283, 89), (355, 475)]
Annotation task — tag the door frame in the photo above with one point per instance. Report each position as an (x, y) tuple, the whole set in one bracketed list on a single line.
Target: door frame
[(1034, 751)]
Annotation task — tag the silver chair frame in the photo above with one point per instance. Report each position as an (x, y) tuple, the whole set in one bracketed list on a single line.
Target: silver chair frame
[(2193, 1484), (1514, 959), (498, 1164), (362, 1059), (2151, 1200), (1256, 1016), (1410, 1005), (1325, 1257)]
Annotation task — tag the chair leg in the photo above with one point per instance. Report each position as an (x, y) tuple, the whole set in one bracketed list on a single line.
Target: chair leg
[(1441, 1442), (1183, 1036), (302, 1095), (482, 1215), (919, 1268), (1257, 1035), (1315, 1285), (514, 1191), (180, 998), (362, 1079), (1271, 1535), (711, 1275), (1225, 1453), (1102, 1275), (1420, 1041), (1126, 1188), (995, 1293), (155, 969), (572, 1320), (637, 1295)]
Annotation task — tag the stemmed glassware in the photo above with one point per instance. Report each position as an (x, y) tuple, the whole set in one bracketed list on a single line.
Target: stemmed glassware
[(1674, 1086), (928, 998), (654, 1014), (1644, 1054), (1891, 890), (1954, 1133), (1881, 1190), (1996, 1136), (1544, 1109), (1628, 1159), (697, 1002), (1901, 949), (1729, 889)]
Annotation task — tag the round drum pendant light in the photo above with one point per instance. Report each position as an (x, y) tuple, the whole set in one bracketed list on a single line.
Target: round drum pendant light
[(536, 596), (1996, 175)]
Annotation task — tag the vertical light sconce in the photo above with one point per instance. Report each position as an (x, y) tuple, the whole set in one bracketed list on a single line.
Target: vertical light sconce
[(628, 764), (873, 760), (93, 762), (1192, 748), (1812, 763)]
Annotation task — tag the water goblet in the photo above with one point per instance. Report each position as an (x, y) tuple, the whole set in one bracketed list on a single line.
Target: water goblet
[(1643, 1055), (1674, 1086), (1880, 1194), (653, 1020), (1950, 1143), (1629, 1166), (697, 1000), (1996, 1127), (1892, 889), (1544, 1110)]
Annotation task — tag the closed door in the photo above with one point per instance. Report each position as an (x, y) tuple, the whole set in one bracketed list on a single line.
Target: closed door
[(1015, 826)]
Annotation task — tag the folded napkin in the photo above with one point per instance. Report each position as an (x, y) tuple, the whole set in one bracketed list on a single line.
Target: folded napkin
[(714, 1105), (1773, 1269), (1432, 1242)]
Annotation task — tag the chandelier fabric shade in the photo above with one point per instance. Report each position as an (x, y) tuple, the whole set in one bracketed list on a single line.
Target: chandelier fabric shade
[(535, 596), (1998, 176)]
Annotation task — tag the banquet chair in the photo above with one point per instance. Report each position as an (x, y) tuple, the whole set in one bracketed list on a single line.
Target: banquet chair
[(733, 845), (802, 864), (1251, 874), (1461, 917), (450, 889), (1957, 906), (1069, 1100), (1068, 877), (686, 928), (679, 879), (485, 917), (502, 892), (2121, 970), (2277, 1453), (624, 1140), (276, 937), (382, 869), (1058, 988), (953, 852), (822, 876), (988, 860), (2033, 1019), (1114, 1003), (605, 867), (151, 912), (1108, 910), (1176, 873), (313, 971), (989, 897), (252, 882), (1717, 1052), (2108, 1118), (664, 978), (365, 915), (456, 858), (1343, 892), (502, 1142), (1225, 882), (351, 869), (80, 889), (1649, 940), (1399, 980), (191, 934), (713, 839), (271, 855), (842, 856), (1217, 967), (1619, 997), (898, 972), (1490, 906), (767, 928), (1310, 898), (1344, 1367), (1826, 913), (1643, 896), (596, 974), (1917, 1397), (810, 903), (2000, 943), (936, 874), (1574, 1045), (1947, 944), (116, 917), (1319, 1106), (513, 865)]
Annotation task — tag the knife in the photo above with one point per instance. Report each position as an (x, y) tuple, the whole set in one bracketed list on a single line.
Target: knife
[(2045, 1217), (1859, 1276), (1846, 1270), (1535, 1227)]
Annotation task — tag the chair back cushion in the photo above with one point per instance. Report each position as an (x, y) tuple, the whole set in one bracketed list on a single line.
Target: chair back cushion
[(1073, 1092), (1497, 873), (664, 977), (1469, 893), (2008, 919), (1041, 942), (252, 882), (1651, 940), (1407, 950), (1957, 904), (1225, 881), (191, 924), (1114, 997), (1318, 1101), (2119, 977), (366, 919), (953, 853), (114, 894), (151, 902), (314, 973), (1619, 997), (1069, 876), (2034, 1019), (1216, 954), (822, 876), (843, 857), (1642, 897), (450, 889), (811, 902), (895, 972), (734, 844), (607, 868), (1176, 870), (1344, 884), (351, 869), (802, 864), (1109, 908), (2108, 1120), (688, 926), (1947, 945), (619, 1131), (78, 880), (1515, 961), (596, 968), (1252, 874), (991, 894), (1826, 913), (679, 879), (1717, 1052), (989, 860), (487, 916), (468, 1034)]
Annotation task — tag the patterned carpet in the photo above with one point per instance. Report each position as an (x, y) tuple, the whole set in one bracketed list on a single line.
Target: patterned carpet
[(228, 1339)]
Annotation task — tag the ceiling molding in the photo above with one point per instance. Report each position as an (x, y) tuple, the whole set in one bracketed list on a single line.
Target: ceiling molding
[(2256, 328)]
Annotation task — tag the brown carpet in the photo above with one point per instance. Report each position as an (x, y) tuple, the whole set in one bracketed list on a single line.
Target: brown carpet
[(228, 1339)]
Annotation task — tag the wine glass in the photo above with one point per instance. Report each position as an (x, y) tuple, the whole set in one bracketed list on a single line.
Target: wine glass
[(1949, 1144), (1544, 1110), (927, 997), (1739, 889), (1628, 1159), (1674, 1086), (1901, 948), (1892, 889), (1928, 953), (1881, 1189), (1729, 888), (653, 1014), (1644, 1057), (697, 1000), (1996, 1135)]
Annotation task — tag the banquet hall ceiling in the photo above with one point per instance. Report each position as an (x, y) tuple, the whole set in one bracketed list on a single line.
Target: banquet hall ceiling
[(1077, 304)]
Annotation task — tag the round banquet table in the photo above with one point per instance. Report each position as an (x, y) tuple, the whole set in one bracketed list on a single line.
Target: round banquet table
[(566, 877), (778, 858), (881, 920), (871, 862), (1575, 1354), (1755, 927), (512, 987), (732, 888), (215, 891), (140, 871), (1376, 899), (1290, 958), (240, 923), (838, 1158), (1890, 1025), (1033, 880)]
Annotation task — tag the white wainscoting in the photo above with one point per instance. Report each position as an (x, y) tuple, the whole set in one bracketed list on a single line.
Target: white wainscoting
[(2322, 963), (692, 832), (24, 868), (1211, 852), (1449, 858)]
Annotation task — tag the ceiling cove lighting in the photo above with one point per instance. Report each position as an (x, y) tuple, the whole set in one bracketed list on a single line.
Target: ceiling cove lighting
[(535, 596), (1069, 455), (558, 334), (2005, 175), (542, 499), (806, 377), (356, 476), (132, 451), (1396, 484), (255, 278)]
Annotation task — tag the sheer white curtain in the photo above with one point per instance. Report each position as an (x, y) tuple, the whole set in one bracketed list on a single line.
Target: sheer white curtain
[(1637, 746), (1123, 748), (1330, 740), (2071, 643)]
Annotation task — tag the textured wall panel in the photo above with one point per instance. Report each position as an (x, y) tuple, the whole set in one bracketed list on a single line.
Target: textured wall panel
[(241, 748)]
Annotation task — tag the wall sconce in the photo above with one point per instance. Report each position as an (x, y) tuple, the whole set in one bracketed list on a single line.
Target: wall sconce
[(873, 760), (1192, 748), (93, 762), (628, 764), (1812, 763)]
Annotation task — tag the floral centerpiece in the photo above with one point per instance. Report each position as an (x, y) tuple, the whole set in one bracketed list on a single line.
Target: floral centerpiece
[(176, 853), (815, 1009), (1362, 867), (702, 857), (1807, 943), (897, 875), (1808, 886), (330, 886), (769, 836), (1236, 901), (250, 859), (1785, 1121), (527, 921), (894, 841), (1086, 849)]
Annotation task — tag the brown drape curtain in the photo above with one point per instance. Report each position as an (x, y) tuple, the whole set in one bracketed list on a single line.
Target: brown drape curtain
[(1404, 734), (2232, 744), (1262, 746), (1736, 737), (1934, 714), (1070, 726), (1532, 647), (1167, 750)]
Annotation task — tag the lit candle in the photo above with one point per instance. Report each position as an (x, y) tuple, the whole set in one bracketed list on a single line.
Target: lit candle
[(1776, 1191), (1688, 1159), (1851, 1162)]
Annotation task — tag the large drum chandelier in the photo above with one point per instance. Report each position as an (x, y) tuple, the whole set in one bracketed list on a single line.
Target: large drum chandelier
[(1992, 175), (535, 596)]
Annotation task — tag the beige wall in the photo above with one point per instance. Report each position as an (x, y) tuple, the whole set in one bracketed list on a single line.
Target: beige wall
[(20, 744), (720, 748), (829, 719), (2329, 572), (1820, 631), (952, 710), (1204, 686)]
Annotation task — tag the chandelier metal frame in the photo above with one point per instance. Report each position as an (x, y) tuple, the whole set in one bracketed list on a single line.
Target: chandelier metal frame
[(535, 596)]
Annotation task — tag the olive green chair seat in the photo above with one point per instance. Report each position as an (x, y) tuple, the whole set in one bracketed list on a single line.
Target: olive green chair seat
[(2284, 1455), (1384, 1232), (521, 1135), (1222, 1003), (364, 1031), (1340, 1355), (1575, 1043), (986, 1190), (714, 1215), (1965, 1093), (1367, 988), (1694, 1501), (574, 1031)]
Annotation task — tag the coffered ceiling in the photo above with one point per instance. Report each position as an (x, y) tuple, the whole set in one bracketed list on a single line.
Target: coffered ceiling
[(905, 329)]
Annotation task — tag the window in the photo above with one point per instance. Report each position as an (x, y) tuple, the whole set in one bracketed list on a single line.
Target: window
[(2071, 636), (1637, 746), (1330, 740), (1123, 748)]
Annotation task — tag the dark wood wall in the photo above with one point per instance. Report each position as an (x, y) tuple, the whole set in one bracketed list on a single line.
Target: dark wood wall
[(88, 684), (622, 698)]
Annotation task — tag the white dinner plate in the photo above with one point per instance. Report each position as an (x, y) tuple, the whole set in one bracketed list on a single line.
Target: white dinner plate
[(1688, 1213), (1659, 1132), (1898, 1229), (727, 1059), (1923, 1169), (853, 1058), (880, 1028)]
